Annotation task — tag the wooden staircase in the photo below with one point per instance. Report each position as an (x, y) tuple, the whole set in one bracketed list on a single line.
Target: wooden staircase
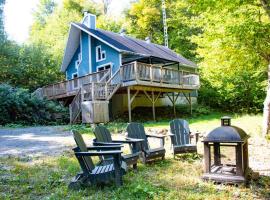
[(103, 90)]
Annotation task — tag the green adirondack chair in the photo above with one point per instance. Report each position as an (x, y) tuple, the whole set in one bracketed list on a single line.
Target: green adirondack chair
[(100, 173), (181, 137), (136, 131), (103, 137)]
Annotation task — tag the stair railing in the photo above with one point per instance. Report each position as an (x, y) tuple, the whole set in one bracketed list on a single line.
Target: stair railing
[(75, 107)]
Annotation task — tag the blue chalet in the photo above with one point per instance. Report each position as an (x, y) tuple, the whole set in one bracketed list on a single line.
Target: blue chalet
[(105, 71)]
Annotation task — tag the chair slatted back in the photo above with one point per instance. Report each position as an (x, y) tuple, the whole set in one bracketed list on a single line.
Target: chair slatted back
[(136, 130), (180, 128), (83, 148), (102, 134)]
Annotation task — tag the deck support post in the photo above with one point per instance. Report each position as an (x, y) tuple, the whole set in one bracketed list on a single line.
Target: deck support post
[(188, 98), (190, 103), (130, 100), (173, 100), (153, 100), (153, 106), (129, 104)]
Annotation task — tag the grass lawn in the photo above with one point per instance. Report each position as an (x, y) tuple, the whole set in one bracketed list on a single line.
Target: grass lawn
[(48, 178)]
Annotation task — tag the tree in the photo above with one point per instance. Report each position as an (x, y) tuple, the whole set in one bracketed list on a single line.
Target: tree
[(53, 33), (44, 10), (2, 31), (27, 66), (144, 19), (232, 45), (266, 112)]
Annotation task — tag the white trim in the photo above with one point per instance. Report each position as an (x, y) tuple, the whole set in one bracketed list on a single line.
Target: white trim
[(97, 37), (101, 52), (81, 42), (89, 19), (109, 63), (90, 54), (120, 60), (103, 65)]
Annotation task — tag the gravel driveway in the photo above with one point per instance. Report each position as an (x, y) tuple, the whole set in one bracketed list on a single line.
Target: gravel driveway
[(35, 141)]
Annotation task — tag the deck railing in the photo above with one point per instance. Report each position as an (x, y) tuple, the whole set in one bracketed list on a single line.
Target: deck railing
[(101, 90), (146, 72), (102, 85), (73, 85), (75, 106)]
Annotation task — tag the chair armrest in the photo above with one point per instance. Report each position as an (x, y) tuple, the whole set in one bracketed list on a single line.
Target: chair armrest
[(156, 136), (97, 153), (161, 137), (107, 144), (196, 135), (116, 147), (134, 140)]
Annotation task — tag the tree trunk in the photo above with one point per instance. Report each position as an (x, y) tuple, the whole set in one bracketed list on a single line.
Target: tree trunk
[(266, 6), (266, 109)]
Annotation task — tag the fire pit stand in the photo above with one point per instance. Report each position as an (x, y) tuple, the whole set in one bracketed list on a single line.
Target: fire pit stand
[(226, 136)]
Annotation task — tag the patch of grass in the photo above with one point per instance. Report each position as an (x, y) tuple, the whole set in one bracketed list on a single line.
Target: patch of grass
[(168, 179)]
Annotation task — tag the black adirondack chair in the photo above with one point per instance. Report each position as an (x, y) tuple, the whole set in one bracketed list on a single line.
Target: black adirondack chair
[(181, 137), (103, 137), (136, 131), (100, 173)]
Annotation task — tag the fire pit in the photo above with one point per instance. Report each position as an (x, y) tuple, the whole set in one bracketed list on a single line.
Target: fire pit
[(218, 140)]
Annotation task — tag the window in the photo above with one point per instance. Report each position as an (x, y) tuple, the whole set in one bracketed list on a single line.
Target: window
[(100, 55), (104, 67), (78, 62)]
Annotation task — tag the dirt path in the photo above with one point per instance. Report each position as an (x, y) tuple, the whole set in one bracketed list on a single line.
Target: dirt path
[(34, 141)]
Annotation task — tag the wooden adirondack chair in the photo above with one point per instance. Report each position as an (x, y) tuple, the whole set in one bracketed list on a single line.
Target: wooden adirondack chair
[(103, 137), (181, 137), (136, 131), (100, 173)]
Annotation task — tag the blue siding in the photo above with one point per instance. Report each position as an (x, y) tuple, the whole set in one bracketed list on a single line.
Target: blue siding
[(90, 65), (112, 56), (84, 66), (92, 21)]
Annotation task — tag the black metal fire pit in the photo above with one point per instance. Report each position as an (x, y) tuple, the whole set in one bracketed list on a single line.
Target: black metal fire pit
[(226, 136)]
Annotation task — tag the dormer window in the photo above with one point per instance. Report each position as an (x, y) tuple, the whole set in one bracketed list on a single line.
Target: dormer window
[(100, 55)]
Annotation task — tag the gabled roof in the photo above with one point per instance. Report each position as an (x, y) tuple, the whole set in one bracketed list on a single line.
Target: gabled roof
[(123, 43)]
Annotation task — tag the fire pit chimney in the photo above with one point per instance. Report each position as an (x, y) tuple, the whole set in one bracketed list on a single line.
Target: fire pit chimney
[(225, 121)]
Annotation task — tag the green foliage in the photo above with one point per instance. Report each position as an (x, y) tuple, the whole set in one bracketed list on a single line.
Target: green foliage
[(2, 31), (53, 32), (27, 66), (234, 48), (18, 106), (144, 19), (229, 39)]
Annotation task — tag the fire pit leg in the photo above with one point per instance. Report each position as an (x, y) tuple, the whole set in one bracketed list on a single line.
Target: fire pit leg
[(207, 158), (239, 160), (217, 154)]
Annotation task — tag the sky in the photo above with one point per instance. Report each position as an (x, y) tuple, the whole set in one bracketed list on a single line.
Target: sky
[(18, 16)]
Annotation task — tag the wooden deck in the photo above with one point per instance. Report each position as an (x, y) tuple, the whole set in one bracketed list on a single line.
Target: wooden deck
[(102, 86)]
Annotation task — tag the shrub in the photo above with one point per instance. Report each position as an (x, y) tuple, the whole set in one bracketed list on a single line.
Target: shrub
[(19, 107)]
